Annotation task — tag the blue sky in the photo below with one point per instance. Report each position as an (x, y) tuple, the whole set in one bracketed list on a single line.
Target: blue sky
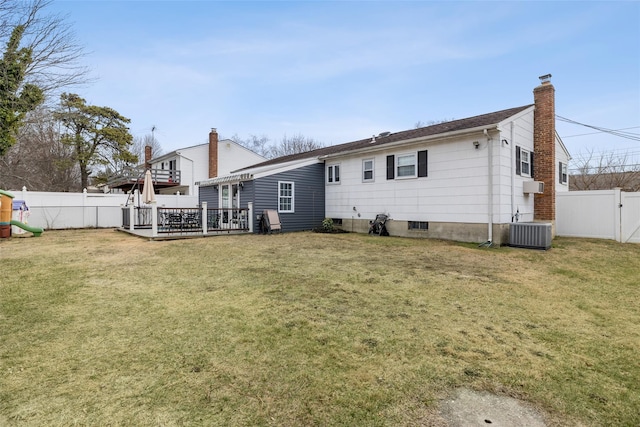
[(342, 71)]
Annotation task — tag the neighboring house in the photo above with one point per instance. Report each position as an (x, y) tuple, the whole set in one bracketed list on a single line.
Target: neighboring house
[(463, 180), (179, 170)]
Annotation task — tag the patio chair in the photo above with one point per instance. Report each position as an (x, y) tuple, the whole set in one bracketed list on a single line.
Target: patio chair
[(270, 221)]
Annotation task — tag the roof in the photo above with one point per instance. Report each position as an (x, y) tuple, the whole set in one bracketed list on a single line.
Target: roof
[(437, 129)]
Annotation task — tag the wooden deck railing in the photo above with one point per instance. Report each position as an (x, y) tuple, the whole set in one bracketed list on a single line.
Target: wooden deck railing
[(188, 220), (158, 176)]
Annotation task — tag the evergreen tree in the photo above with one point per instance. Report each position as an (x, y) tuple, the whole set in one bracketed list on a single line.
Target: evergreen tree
[(98, 135), (16, 97)]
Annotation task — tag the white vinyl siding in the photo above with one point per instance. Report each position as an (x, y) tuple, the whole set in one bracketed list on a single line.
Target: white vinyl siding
[(455, 190)]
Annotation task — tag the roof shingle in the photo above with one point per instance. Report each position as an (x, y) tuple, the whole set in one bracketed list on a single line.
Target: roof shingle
[(440, 128)]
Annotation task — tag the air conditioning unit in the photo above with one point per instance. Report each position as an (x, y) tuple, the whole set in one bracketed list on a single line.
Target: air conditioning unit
[(536, 187), (531, 235)]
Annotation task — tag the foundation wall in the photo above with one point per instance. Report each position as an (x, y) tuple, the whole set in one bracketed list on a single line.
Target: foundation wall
[(461, 232)]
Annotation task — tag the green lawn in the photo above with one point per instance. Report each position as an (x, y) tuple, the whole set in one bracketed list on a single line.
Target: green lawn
[(304, 329)]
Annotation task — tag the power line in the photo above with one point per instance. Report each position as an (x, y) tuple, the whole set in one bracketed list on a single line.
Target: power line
[(621, 134), (595, 133)]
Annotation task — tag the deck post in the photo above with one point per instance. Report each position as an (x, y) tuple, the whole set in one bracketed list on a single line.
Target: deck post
[(204, 218), (154, 219), (250, 213), (131, 218)]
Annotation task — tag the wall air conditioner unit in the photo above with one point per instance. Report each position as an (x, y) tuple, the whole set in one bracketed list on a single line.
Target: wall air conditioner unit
[(531, 235), (536, 187)]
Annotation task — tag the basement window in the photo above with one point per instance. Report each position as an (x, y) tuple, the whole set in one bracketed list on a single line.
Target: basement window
[(418, 225)]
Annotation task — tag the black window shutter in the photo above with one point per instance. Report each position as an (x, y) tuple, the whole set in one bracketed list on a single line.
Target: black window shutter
[(532, 172), (518, 160), (391, 165), (422, 163)]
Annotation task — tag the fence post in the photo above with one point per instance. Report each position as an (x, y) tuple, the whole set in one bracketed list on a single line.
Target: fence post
[(205, 219), (131, 218), (617, 217), (84, 208), (250, 206), (154, 219)]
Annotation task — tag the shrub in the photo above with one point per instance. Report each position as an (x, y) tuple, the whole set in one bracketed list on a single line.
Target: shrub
[(327, 224)]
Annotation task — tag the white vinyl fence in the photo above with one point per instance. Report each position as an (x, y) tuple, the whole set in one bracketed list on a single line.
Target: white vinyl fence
[(602, 214), (86, 210)]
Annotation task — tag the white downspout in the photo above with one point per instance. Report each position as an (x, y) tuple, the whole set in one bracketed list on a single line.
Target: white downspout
[(490, 184), (513, 172)]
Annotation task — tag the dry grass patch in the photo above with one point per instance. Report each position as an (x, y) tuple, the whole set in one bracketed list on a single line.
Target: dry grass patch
[(311, 329)]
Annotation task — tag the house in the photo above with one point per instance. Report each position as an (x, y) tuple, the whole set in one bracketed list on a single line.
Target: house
[(465, 180), (179, 170)]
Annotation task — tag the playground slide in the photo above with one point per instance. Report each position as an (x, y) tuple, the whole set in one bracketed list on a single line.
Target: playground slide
[(37, 231)]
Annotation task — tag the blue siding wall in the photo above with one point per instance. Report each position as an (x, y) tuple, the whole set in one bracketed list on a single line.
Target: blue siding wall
[(308, 197), (247, 194), (208, 194)]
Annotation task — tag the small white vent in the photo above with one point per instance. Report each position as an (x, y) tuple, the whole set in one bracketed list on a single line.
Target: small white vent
[(532, 235), (536, 187)]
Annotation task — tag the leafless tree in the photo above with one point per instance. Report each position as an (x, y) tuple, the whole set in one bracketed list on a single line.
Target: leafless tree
[(39, 160), (258, 144), (288, 145), (605, 171), (294, 145), (139, 144), (55, 52), (421, 124)]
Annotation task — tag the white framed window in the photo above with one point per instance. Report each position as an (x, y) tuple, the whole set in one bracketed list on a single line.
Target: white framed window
[(562, 172), (406, 165), (286, 197), (333, 174), (525, 162), (367, 170)]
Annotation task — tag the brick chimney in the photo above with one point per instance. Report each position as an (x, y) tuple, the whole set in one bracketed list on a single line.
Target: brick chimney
[(544, 144), (213, 153), (147, 157)]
